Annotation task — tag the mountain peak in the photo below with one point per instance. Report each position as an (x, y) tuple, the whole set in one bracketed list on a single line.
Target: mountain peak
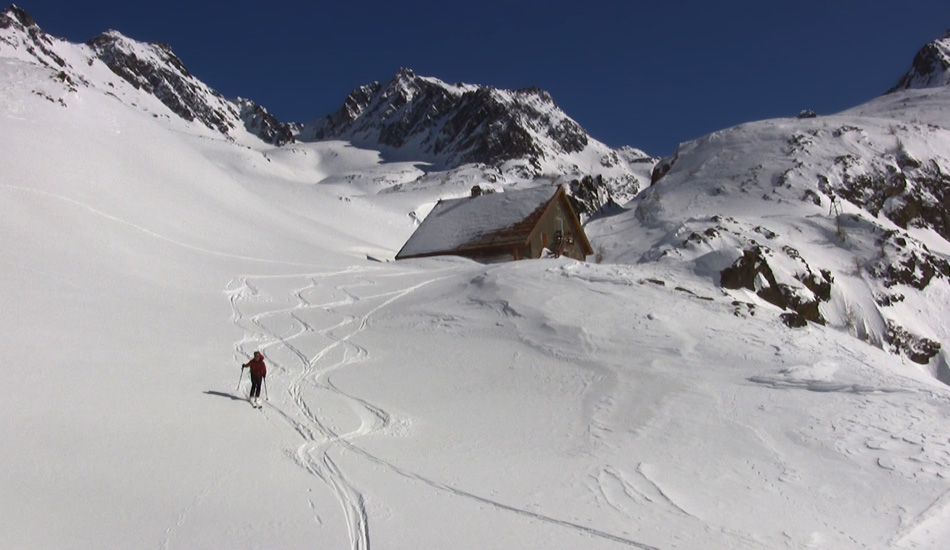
[(461, 123), (113, 40), (543, 95), (112, 37), (930, 69), (520, 134), (16, 13), (21, 37), (404, 72), (155, 69)]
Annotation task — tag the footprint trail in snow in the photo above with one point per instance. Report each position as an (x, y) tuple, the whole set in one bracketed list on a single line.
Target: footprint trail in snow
[(305, 325)]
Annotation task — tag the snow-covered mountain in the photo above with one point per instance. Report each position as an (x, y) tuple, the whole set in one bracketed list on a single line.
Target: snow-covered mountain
[(930, 69), (501, 137), (441, 403), (838, 219), (150, 68), (520, 133)]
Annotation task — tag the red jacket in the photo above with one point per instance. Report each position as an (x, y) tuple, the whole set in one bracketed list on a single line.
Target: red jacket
[(257, 366)]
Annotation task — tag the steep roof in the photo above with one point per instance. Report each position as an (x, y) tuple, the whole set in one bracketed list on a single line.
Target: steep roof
[(491, 220)]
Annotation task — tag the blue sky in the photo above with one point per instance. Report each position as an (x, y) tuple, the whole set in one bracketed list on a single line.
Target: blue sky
[(646, 74)]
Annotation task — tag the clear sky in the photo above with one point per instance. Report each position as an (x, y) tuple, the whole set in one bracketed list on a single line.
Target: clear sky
[(646, 74)]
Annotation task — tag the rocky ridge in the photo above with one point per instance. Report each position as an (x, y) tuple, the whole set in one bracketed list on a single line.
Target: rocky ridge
[(521, 134), (511, 137), (930, 68), (151, 68), (462, 123)]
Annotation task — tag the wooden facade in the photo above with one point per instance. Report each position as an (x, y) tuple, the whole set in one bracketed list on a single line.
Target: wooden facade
[(515, 225)]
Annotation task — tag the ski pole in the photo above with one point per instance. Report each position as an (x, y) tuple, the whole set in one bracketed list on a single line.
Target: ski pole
[(239, 379), (267, 397)]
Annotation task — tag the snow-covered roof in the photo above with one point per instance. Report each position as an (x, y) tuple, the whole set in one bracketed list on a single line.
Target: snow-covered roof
[(470, 222)]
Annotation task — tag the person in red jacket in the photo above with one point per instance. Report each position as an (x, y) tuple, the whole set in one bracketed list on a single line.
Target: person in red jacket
[(258, 373)]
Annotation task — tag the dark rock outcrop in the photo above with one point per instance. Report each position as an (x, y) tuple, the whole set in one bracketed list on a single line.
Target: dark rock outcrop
[(752, 271), (589, 195), (36, 42), (155, 69), (907, 262), (918, 349), (931, 67), (263, 124), (163, 75)]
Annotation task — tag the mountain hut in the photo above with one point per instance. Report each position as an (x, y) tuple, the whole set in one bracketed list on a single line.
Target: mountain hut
[(497, 227)]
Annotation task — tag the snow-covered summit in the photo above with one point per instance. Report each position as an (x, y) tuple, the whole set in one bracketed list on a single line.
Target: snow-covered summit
[(522, 133), (155, 69), (22, 38), (152, 70), (505, 136), (931, 67), (432, 115)]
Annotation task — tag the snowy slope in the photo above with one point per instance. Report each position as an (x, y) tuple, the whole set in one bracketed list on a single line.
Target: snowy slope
[(838, 219), (420, 404)]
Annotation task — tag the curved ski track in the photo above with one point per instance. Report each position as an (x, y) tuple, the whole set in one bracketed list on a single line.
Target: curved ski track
[(313, 371)]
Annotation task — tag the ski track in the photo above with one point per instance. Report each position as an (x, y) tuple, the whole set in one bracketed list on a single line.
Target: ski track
[(194, 504), (936, 514), (318, 437)]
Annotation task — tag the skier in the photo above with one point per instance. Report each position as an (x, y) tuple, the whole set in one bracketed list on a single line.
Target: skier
[(258, 373)]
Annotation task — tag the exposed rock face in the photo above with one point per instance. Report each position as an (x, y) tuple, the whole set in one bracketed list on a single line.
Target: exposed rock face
[(521, 133), (753, 272), (930, 69), (150, 68), (155, 69), (590, 194), (462, 123), (909, 192), (907, 262), (25, 35), (916, 348), (859, 193), (15, 15), (158, 71), (263, 124)]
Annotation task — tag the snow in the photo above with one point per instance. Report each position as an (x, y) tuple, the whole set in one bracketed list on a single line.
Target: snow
[(434, 403), (388, 114), (453, 223)]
